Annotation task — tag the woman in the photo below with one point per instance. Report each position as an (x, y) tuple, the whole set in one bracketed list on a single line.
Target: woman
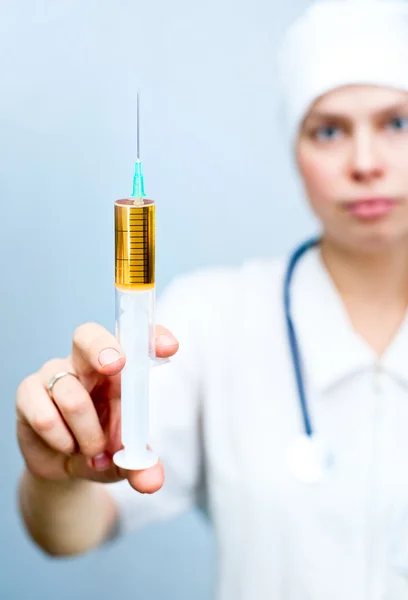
[(290, 389)]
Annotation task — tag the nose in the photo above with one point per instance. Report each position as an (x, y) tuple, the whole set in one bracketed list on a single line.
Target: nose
[(365, 164)]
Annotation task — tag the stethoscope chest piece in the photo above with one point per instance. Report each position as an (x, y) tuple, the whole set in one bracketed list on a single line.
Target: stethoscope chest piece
[(309, 459)]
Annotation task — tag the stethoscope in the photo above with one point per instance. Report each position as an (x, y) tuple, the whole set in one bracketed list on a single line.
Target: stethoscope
[(309, 458)]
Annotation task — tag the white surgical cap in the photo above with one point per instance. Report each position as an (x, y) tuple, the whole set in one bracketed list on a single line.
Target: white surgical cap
[(342, 42)]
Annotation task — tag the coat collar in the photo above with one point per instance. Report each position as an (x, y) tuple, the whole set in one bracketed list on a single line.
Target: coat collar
[(330, 348)]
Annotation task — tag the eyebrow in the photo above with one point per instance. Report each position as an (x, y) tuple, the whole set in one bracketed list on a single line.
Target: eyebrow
[(327, 115)]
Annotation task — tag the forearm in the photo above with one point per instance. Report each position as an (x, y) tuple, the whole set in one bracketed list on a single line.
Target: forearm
[(66, 518)]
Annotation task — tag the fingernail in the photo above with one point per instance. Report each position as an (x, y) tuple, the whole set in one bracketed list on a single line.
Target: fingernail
[(102, 461), (164, 339), (108, 356)]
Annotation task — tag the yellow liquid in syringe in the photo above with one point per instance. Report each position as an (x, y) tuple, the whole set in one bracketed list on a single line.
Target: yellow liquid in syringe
[(134, 244)]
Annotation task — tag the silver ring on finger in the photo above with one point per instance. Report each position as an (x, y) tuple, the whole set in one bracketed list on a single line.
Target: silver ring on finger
[(56, 377)]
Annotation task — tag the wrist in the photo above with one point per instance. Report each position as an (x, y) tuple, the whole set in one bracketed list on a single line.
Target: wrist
[(39, 482)]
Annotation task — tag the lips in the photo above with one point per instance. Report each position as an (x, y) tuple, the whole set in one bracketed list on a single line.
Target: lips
[(371, 208)]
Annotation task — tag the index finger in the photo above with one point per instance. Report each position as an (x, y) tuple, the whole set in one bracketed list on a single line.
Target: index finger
[(96, 350)]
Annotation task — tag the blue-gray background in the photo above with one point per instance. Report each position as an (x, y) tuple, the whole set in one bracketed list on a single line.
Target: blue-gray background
[(216, 163)]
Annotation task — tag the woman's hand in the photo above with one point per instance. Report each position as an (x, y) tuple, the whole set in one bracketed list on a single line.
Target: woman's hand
[(75, 433)]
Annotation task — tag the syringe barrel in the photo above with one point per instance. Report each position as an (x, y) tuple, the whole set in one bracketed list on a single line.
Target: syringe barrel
[(135, 303), (135, 331)]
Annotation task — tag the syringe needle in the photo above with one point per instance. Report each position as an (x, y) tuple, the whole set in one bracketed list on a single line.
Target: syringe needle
[(138, 126), (138, 192)]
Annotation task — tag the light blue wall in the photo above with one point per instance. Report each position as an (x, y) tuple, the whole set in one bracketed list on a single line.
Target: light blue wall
[(216, 164)]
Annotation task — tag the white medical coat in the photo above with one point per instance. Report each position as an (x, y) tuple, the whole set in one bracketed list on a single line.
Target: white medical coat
[(227, 405)]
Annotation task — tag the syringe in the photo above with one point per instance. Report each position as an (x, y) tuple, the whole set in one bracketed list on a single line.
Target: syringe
[(135, 303)]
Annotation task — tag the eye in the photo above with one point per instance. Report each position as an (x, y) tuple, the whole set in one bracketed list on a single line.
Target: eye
[(398, 123), (327, 133)]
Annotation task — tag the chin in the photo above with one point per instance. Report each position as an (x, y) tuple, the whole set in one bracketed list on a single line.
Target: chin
[(379, 237)]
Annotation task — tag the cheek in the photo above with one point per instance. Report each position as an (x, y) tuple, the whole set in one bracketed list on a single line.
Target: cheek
[(399, 168), (320, 177)]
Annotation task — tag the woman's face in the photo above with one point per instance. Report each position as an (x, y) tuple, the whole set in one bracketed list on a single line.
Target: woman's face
[(352, 153)]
